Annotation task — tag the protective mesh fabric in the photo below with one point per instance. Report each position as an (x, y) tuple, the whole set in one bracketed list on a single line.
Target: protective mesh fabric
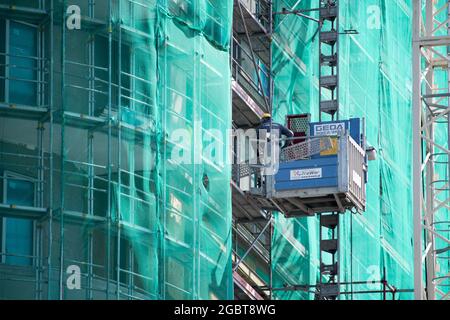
[(121, 209)]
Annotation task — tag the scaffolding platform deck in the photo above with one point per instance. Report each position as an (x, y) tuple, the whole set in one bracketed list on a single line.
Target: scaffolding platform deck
[(246, 112), (23, 112), (15, 211), (29, 14), (259, 35)]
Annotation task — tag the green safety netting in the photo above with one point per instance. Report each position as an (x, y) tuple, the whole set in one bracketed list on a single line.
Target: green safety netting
[(375, 84), (137, 223)]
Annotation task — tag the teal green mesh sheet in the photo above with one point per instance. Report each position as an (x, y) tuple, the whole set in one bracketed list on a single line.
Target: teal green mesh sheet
[(375, 84), (196, 90), (138, 84)]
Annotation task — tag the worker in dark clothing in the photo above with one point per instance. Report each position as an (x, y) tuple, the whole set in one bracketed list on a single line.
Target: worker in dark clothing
[(268, 125)]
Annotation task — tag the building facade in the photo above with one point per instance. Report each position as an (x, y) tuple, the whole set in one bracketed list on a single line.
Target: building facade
[(93, 205)]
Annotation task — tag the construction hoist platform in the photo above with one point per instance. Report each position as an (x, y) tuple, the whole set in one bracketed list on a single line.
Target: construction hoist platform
[(323, 169), (322, 172)]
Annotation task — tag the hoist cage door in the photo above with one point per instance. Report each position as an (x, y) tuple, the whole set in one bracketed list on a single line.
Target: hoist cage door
[(353, 171), (299, 125)]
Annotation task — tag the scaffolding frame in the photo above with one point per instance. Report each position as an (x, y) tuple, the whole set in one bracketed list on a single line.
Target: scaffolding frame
[(252, 223), (385, 290), (431, 106), (48, 273), (39, 18)]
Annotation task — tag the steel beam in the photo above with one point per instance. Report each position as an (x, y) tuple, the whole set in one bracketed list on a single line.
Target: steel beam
[(431, 103)]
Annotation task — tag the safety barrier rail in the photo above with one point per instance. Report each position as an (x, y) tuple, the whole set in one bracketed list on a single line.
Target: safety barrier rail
[(356, 165)]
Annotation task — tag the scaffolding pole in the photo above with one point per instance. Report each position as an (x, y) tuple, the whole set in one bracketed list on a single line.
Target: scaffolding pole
[(262, 225)]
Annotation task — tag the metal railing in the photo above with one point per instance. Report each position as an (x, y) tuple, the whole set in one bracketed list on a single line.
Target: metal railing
[(247, 75), (260, 160), (306, 149), (356, 168), (260, 9), (250, 172)]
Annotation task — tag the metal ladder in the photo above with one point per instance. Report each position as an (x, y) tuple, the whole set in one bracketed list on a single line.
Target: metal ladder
[(328, 287), (329, 57)]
